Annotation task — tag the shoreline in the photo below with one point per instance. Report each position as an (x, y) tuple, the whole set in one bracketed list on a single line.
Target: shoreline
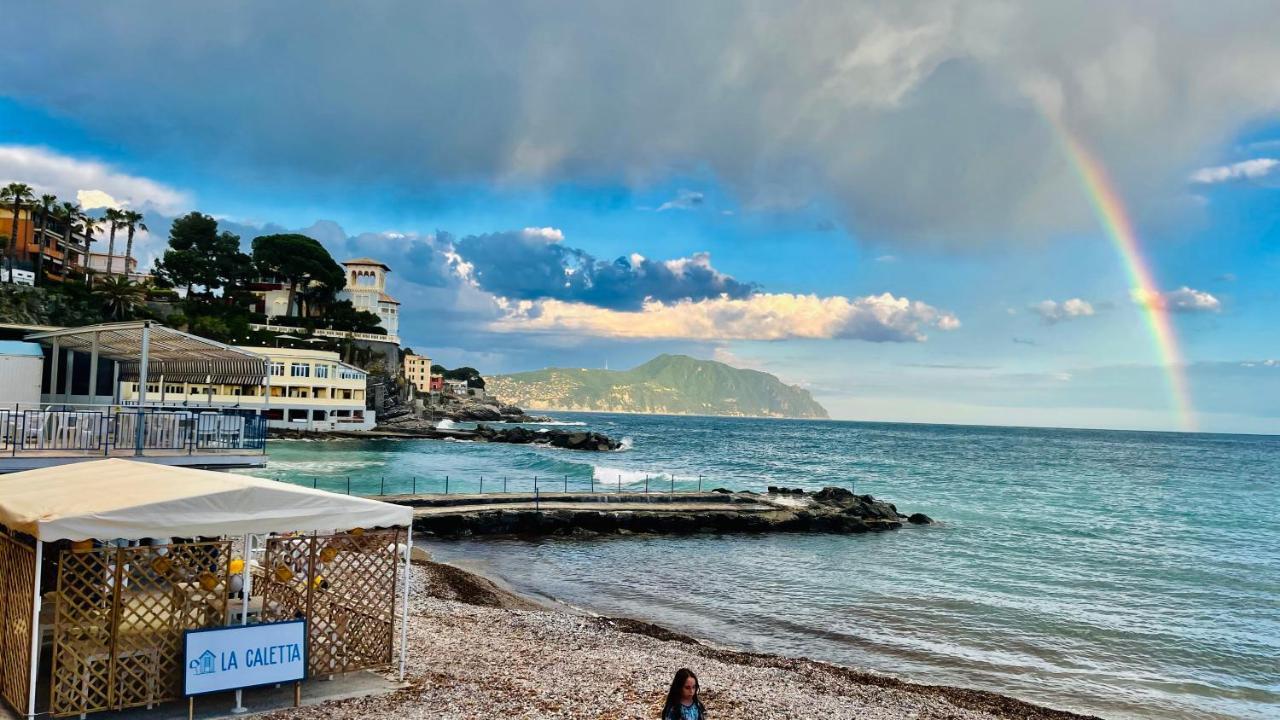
[(480, 648)]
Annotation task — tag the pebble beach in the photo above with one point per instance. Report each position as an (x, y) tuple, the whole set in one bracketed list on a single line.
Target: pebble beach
[(477, 650)]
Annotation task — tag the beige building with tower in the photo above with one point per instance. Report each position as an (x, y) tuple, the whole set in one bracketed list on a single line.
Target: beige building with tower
[(367, 290), (417, 370)]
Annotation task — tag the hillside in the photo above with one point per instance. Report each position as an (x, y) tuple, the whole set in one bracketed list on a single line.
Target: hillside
[(674, 384)]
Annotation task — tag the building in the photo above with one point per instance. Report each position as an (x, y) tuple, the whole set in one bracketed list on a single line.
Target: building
[(367, 290), (437, 383), (61, 251), (21, 372), (307, 389), (98, 264), (417, 370)]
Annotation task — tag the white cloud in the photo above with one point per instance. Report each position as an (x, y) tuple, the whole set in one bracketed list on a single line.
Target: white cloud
[(684, 200), (1184, 299), (94, 184), (1254, 169), (762, 316), (549, 234), (1052, 312), (94, 199)]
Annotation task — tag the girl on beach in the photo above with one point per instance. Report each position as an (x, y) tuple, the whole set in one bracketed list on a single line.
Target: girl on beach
[(682, 699)]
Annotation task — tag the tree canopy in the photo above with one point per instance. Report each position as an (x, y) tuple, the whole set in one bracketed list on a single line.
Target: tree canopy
[(299, 261), (200, 256)]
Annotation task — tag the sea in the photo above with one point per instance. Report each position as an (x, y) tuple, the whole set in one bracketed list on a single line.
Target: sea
[(1122, 574)]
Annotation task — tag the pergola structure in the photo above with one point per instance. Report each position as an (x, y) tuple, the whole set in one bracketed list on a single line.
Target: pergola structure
[(145, 348), (110, 562)]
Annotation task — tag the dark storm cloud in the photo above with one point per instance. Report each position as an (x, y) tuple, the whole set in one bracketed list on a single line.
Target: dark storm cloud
[(914, 120), (534, 265)]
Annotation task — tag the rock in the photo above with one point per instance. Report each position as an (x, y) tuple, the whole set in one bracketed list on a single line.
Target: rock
[(919, 519)]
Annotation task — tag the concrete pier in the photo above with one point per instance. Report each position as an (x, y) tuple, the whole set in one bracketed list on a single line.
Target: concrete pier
[(558, 513)]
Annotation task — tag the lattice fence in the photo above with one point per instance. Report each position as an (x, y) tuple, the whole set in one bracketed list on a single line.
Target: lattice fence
[(120, 618), (17, 581), (344, 585)]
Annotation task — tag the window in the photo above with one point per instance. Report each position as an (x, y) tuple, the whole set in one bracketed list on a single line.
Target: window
[(299, 370), (322, 371), (350, 374), (277, 368)]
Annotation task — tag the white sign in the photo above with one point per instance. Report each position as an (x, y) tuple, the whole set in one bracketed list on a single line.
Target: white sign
[(244, 656)]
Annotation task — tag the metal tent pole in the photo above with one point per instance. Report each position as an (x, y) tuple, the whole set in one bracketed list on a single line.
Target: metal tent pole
[(245, 588), (35, 632), (404, 618), (142, 385), (93, 370)]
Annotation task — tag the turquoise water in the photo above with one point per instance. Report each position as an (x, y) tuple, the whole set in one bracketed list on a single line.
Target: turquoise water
[(1116, 573)]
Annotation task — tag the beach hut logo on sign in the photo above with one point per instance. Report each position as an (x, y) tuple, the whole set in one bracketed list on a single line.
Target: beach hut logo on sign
[(244, 656)]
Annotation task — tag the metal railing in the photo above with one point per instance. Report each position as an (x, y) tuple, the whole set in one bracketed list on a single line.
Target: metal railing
[(63, 430), (380, 486)]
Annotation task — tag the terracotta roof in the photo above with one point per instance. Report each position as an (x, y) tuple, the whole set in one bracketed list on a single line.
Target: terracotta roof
[(367, 261), (383, 297)]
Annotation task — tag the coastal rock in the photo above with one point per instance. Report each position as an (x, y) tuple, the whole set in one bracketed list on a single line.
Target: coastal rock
[(920, 519), (555, 438)]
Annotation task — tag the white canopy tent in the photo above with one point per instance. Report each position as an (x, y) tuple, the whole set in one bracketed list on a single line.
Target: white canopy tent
[(121, 499), (128, 500)]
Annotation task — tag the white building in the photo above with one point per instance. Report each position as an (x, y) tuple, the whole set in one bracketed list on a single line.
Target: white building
[(309, 389), (367, 290)]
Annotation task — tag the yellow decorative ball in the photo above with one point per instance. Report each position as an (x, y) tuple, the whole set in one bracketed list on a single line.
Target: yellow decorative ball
[(283, 573), (208, 581), (328, 553), (237, 566)]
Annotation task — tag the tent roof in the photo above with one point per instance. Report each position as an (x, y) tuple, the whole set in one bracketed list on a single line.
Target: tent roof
[(177, 355), (123, 341), (106, 499)]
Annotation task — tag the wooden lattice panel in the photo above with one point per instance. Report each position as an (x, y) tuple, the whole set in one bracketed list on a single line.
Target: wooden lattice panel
[(81, 679), (121, 617), (344, 585), (17, 579)]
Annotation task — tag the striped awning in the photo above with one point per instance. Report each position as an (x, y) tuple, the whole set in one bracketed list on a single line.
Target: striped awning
[(222, 371)]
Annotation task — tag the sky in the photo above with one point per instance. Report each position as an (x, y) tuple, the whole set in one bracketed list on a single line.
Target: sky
[(882, 202)]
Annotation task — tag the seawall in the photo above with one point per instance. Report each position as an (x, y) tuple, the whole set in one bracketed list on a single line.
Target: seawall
[(832, 510)]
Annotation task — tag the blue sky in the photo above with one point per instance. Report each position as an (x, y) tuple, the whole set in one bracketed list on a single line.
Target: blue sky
[(865, 199)]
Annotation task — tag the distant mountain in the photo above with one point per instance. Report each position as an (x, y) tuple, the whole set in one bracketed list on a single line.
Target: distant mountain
[(672, 384)]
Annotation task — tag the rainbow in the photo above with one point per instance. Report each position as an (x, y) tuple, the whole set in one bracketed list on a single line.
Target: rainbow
[(1111, 212)]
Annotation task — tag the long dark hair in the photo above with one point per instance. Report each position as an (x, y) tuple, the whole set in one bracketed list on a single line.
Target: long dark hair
[(671, 711)]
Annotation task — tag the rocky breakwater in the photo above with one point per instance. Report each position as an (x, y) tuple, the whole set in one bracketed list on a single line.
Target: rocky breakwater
[(831, 510), (555, 438)]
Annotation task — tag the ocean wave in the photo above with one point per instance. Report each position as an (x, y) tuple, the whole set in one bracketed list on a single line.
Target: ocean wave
[(606, 474), (556, 422), (446, 424), (625, 444)]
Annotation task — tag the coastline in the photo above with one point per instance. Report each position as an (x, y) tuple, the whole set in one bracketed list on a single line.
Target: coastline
[(480, 649)]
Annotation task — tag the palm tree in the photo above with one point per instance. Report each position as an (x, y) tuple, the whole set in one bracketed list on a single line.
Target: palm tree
[(120, 296), (116, 219), (132, 221), (46, 208), (88, 226), (19, 194), (68, 213)]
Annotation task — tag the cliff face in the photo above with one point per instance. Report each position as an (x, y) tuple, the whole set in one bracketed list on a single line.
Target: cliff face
[(674, 384)]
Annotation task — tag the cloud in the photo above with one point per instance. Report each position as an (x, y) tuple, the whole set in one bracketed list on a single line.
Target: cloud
[(762, 316), (1183, 300), (1245, 170), (684, 200), (94, 184), (837, 103), (94, 199), (533, 264), (1053, 312)]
